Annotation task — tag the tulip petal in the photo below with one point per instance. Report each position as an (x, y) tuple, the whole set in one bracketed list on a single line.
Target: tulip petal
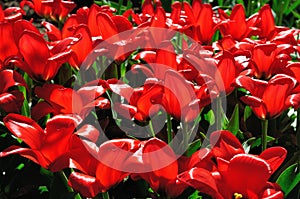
[(200, 179), (267, 21), (225, 145), (59, 130), (243, 169), (35, 52), (26, 129), (8, 46), (33, 155), (274, 157), (106, 26), (12, 102), (53, 32), (10, 78), (86, 185), (41, 109)]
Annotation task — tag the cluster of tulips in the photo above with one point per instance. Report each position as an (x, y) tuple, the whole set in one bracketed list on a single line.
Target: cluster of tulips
[(163, 98)]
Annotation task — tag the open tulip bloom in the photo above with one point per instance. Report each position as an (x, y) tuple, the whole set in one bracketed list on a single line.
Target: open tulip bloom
[(159, 100)]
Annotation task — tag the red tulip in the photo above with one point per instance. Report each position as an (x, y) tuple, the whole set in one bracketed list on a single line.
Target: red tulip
[(159, 61), (87, 16), (201, 25), (104, 167), (268, 59), (11, 100), (95, 25), (11, 14), (40, 61), (182, 100), (228, 70), (56, 9), (49, 147), (268, 98), (156, 163), (266, 22), (225, 145), (82, 48), (8, 47), (61, 100), (140, 100), (237, 178), (236, 25), (235, 173)]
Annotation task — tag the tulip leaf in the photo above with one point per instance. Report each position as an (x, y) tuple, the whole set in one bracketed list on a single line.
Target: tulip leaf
[(247, 144), (289, 178), (195, 195), (193, 147), (210, 117), (20, 166), (257, 142), (234, 122), (43, 189), (25, 110), (247, 112), (292, 7)]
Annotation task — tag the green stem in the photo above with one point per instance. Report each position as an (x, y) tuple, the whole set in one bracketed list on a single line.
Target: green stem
[(112, 71), (105, 195), (119, 11), (64, 179), (298, 127), (151, 128), (169, 128), (218, 114), (186, 136), (264, 134)]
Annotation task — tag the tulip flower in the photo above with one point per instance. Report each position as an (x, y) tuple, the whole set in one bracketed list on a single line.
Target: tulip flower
[(232, 165), (266, 22), (267, 59), (8, 46), (236, 25), (225, 145), (48, 147), (140, 106), (104, 167), (201, 25), (156, 163), (11, 14), (268, 98), (56, 9), (61, 100), (11, 100), (40, 61), (237, 178), (146, 101), (227, 62)]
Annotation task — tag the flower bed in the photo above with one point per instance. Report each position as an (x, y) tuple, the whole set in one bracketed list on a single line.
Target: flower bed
[(188, 100)]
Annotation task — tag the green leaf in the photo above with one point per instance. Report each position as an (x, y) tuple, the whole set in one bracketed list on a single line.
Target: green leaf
[(46, 172), (247, 113), (20, 166), (195, 195), (257, 142), (43, 189), (234, 122), (247, 144), (25, 110), (292, 7), (193, 147), (289, 178), (210, 117)]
